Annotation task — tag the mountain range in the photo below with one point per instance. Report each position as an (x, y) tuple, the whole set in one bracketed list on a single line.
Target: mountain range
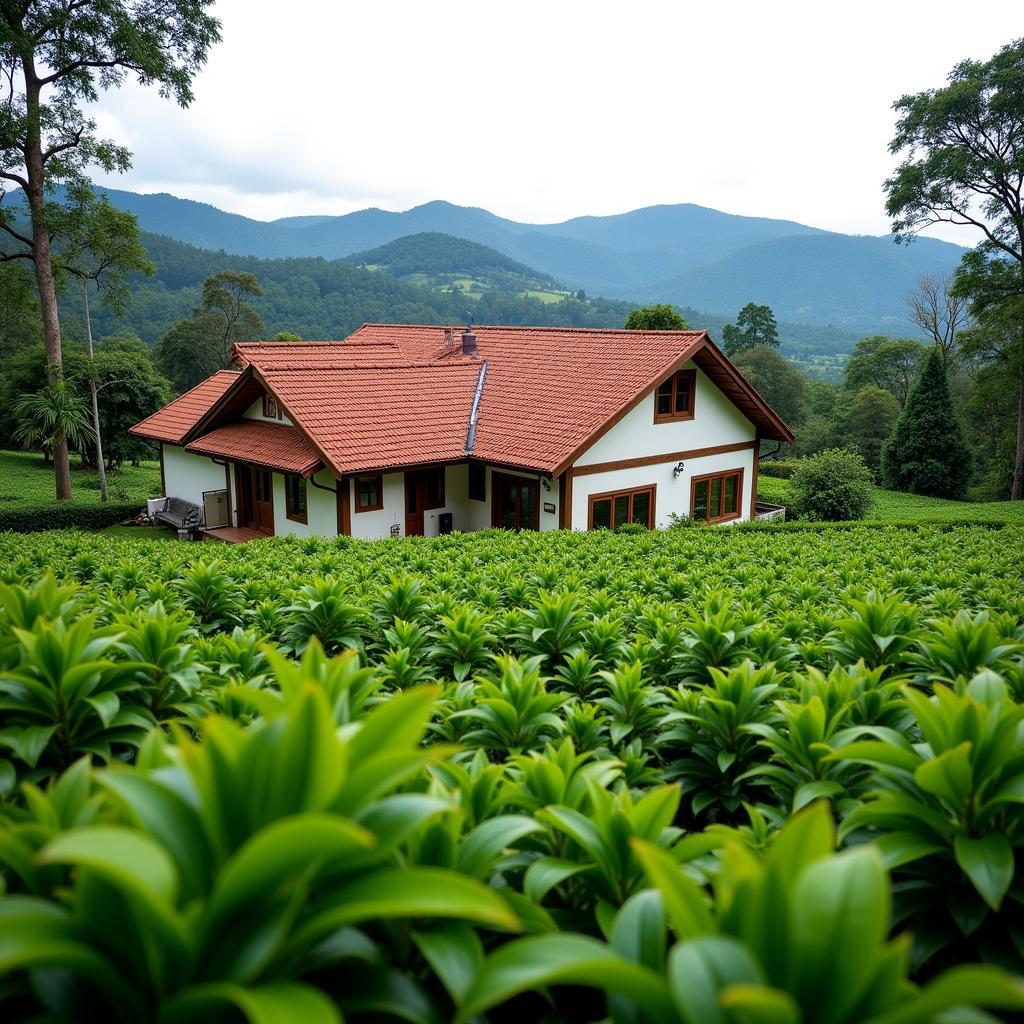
[(685, 254)]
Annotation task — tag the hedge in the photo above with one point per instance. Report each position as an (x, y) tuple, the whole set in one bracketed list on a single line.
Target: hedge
[(62, 515), (780, 468)]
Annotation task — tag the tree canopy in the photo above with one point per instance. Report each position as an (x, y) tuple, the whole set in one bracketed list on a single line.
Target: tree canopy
[(927, 452), (755, 327), (660, 317), (883, 362)]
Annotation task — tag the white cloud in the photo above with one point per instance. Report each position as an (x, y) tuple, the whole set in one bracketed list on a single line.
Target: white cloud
[(548, 110)]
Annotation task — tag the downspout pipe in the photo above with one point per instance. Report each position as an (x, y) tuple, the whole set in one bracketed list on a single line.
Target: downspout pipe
[(474, 411)]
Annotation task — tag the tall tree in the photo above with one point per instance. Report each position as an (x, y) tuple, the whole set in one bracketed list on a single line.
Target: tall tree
[(101, 249), (963, 163), (197, 347), (864, 421), (755, 327), (56, 56), (927, 452), (781, 383), (939, 311), (660, 317), (884, 362), (996, 342)]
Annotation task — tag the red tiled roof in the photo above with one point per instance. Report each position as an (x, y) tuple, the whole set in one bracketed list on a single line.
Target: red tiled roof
[(381, 416), (274, 445), (174, 421), (396, 395)]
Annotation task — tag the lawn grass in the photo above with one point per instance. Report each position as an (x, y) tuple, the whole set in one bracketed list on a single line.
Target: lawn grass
[(25, 480), (139, 532), (895, 506)]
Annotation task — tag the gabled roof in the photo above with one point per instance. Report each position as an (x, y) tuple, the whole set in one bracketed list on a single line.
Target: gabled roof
[(274, 445), (173, 422), (395, 395)]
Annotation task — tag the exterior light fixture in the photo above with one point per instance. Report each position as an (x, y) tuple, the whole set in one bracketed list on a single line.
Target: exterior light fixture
[(544, 483), (678, 468)]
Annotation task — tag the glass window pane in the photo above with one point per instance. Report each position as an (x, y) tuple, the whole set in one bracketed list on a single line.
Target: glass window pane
[(509, 509), (369, 492), (603, 514), (621, 509), (683, 395), (730, 494), (435, 487), (700, 500), (411, 495), (716, 497), (527, 506), (663, 405), (641, 508), (262, 485)]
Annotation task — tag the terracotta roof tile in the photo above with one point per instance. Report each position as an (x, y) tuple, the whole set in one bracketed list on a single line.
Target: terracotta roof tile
[(174, 421), (400, 394), (379, 417), (266, 444)]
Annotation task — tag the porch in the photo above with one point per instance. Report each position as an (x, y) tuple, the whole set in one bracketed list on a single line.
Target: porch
[(232, 534)]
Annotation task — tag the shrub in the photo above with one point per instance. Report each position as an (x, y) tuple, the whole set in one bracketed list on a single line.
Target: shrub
[(927, 452), (833, 485), (783, 469), (63, 516)]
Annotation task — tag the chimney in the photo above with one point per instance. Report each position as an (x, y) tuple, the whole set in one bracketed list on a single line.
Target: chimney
[(469, 343)]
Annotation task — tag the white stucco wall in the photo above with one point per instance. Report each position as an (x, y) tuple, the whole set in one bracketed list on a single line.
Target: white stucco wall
[(255, 412), (321, 509), (187, 475), (672, 494), (467, 515), (716, 421)]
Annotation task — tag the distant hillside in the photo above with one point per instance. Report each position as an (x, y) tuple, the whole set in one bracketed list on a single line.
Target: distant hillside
[(454, 265), (319, 299), (685, 254)]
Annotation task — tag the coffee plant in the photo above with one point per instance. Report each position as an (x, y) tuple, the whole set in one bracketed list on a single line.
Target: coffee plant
[(707, 775)]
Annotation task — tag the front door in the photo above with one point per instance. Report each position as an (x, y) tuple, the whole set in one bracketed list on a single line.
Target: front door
[(514, 502), (255, 498), (415, 496), (424, 490)]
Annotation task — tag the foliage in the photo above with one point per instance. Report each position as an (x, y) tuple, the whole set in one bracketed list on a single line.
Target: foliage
[(196, 348), (662, 742), (55, 409), (927, 452), (832, 485), (755, 327), (26, 495), (775, 378), (864, 421), (882, 362), (660, 317)]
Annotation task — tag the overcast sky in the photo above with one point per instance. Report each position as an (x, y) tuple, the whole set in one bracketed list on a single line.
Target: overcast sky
[(542, 111)]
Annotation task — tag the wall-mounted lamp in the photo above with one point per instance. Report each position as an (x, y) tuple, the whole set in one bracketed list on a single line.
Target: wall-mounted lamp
[(545, 484), (678, 468)]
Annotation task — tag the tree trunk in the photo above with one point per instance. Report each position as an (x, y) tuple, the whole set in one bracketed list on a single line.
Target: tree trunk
[(102, 469), (1017, 490), (44, 267)]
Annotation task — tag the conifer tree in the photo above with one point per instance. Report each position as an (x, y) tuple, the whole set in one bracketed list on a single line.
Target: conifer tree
[(927, 452)]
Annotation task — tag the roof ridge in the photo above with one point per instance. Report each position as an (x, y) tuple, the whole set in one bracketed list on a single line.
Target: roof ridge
[(540, 327)]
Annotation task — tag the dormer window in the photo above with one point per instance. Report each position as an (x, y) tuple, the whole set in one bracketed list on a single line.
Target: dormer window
[(271, 408), (674, 397)]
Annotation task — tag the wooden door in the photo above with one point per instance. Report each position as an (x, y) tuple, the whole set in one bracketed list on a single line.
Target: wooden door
[(263, 499), (515, 502), (415, 497)]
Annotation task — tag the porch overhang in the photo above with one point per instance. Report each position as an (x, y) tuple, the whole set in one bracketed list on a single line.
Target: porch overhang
[(269, 445)]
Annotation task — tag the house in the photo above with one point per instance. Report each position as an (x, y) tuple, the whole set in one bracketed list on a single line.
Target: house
[(417, 429)]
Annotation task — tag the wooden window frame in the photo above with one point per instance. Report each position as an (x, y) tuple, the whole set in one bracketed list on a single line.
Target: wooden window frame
[(379, 477), (680, 378), (276, 414), (295, 517), (708, 478), (631, 492), (427, 503), (478, 470)]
